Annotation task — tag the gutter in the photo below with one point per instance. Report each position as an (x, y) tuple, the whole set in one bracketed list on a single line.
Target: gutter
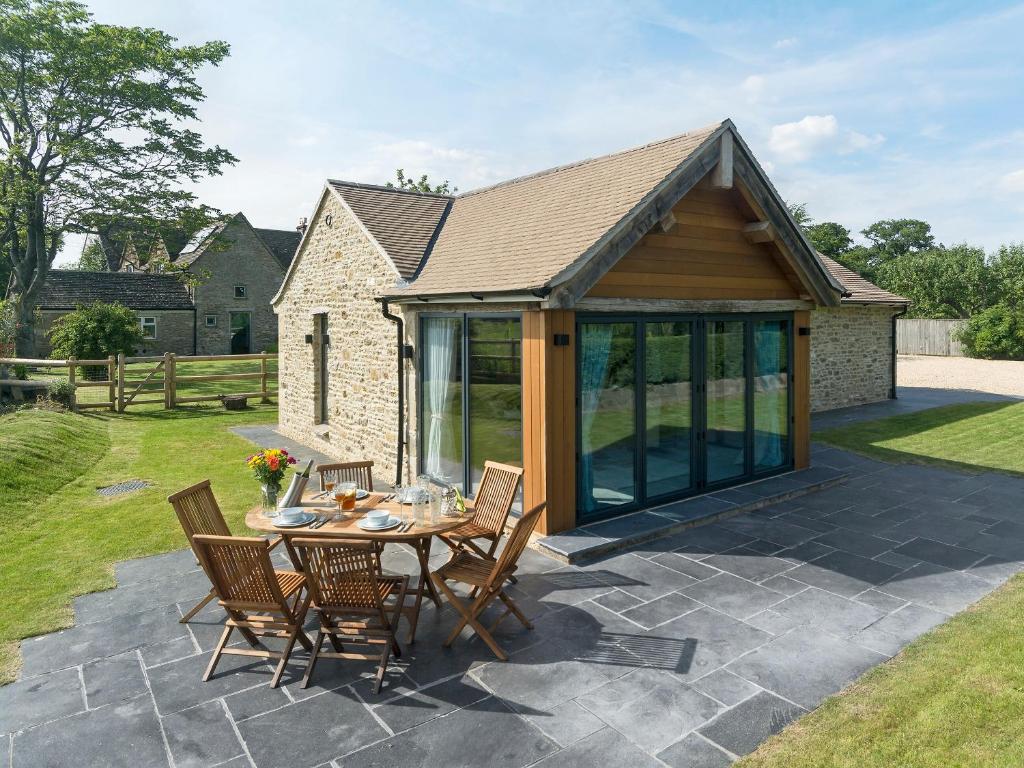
[(892, 387), (400, 357)]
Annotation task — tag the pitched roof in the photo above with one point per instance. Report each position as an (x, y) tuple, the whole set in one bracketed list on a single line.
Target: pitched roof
[(520, 234), (66, 289), (199, 242), (281, 243), (401, 221), (860, 289)]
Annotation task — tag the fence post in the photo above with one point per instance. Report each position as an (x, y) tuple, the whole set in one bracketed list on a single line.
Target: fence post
[(71, 381), (170, 380), (112, 381), (120, 382), (263, 378)]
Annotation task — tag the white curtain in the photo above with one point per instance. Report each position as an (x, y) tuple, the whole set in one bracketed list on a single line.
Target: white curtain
[(439, 338)]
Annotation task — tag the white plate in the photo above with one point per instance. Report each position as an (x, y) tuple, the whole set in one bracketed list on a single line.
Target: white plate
[(391, 523), (361, 494), (304, 519)]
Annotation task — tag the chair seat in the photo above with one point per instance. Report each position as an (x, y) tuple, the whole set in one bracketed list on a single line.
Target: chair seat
[(467, 568), (471, 531)]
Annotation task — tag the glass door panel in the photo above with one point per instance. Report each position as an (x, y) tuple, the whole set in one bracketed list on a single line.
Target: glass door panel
[(607, 380), (726, 407), (441, 403), (668, 407), (495, 394), (771, 394)]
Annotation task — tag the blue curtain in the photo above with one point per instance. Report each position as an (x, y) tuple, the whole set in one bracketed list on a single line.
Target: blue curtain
[(595, 349)]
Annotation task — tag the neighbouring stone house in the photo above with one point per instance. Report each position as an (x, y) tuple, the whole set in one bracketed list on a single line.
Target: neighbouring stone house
[(162, 303), (236, 270), (631, 329)]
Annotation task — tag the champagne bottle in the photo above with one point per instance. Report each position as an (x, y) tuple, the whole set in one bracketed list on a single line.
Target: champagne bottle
[(294, 496)]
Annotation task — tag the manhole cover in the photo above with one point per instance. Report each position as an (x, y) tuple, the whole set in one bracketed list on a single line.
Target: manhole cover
[(126, 487)]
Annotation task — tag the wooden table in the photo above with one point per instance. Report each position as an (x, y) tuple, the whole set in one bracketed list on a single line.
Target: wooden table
[(418, 537)]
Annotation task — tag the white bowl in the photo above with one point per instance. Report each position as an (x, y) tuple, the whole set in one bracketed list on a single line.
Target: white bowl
[(290, 514), (378, 516)]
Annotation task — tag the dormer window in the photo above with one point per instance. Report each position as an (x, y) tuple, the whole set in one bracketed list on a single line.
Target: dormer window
[(239, 291)]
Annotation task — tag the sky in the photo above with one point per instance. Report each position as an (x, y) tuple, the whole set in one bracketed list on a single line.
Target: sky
[(863, 111)]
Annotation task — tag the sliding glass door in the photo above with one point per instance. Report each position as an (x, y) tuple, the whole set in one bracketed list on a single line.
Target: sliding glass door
[(672, 406), (470, 407)]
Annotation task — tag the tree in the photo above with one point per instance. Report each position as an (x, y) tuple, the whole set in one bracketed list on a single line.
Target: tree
[(892, 238), (829, 238), (1007, 267), (942, 282), (800, 215), (94, 134), (92, 259), (995, 333), (96, 331), (423, 185)]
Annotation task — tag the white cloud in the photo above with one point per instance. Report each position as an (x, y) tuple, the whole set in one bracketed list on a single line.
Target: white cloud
[(815, 134), (467, 169), (798, 141), (786, 42), (1013, 181)]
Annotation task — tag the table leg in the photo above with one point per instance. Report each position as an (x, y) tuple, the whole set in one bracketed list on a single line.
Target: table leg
[(423, 553)]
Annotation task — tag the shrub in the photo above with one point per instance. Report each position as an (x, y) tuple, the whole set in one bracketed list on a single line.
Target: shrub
[(996, 333), (20, 371), (96, 331), (61, 392)]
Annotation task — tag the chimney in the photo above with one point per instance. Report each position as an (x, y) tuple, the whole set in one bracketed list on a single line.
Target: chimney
[(301, 228)]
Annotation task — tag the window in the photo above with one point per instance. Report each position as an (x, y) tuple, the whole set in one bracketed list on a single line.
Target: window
[(239, 291), (129, 267), (211, 321), (148, 327)]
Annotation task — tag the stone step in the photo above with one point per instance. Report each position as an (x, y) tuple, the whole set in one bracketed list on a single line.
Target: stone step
[(589, 541)]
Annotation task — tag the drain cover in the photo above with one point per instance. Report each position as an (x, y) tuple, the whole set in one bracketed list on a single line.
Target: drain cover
[(126, 487)]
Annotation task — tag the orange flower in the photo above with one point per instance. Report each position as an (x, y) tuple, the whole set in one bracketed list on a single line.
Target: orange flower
[(273, 463)]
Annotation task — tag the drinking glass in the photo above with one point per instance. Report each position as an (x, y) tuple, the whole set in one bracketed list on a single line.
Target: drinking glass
[(347, 496)]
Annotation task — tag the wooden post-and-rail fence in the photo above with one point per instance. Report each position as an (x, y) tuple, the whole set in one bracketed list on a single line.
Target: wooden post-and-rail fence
[(158, 385)]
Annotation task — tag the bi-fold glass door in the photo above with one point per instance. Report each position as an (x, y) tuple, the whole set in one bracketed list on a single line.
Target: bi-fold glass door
[(672, 406)]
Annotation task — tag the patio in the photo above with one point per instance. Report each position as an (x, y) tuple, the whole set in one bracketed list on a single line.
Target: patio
[(685, 651)]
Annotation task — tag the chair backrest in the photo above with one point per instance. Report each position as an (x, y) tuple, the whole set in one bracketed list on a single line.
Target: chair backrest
[(495, 496), (242, 574), (340, 575), (358, 472), (517, 541), (198, 512)]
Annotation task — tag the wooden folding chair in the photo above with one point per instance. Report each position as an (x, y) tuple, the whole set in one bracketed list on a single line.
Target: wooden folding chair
[(199, 513), (493, 503), (487, 577), (255, 597), (358, 472), (351, 600)]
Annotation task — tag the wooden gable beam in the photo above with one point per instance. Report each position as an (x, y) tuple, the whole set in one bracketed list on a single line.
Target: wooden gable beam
[(759, 232), (667, 222), (721, 176)]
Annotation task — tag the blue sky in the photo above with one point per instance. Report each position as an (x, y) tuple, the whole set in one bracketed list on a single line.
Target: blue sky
[(867, 111)]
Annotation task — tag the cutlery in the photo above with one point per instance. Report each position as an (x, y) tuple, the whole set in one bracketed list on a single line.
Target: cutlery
[(320, 495), (320, 521)]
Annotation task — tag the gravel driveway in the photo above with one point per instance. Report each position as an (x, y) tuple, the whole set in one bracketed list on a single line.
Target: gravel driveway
[(1000, 377)]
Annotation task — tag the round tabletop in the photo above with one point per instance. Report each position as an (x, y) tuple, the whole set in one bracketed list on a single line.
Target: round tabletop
[(347, 528)]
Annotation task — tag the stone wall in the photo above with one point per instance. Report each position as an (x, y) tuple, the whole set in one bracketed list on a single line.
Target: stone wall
[(340, 272), (238, 257), (851, 355), (173, 332)]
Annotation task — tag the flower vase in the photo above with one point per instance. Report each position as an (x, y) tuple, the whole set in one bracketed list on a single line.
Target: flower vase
[(268, 499)]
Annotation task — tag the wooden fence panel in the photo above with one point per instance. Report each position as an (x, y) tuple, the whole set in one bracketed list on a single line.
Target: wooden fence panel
[(928, 337)]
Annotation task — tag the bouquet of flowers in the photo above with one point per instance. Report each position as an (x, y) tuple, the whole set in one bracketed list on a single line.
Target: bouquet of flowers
[(269, 466)]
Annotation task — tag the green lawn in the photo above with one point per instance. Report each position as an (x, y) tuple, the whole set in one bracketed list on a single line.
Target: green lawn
[(61, 538), (955, 697), (972, 437)]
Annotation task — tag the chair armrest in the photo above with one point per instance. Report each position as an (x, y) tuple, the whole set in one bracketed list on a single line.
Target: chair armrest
[(275, 542)]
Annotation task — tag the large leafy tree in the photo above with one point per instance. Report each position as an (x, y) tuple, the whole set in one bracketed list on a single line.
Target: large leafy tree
[(892, 238), (422, 184), (830, 238), (1007, 266), (95, 135), (943, 282)]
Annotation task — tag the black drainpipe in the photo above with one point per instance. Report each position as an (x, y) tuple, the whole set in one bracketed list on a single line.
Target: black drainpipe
[(892, 389), (400, 349)]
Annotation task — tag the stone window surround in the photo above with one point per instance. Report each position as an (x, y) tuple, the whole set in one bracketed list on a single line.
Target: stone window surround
[(147, 321), (210, 318)]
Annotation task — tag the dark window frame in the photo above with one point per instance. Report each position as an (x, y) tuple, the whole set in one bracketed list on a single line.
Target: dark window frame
[(240, 292)]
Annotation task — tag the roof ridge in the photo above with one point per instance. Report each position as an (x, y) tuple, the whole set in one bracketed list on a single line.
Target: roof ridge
[(711, 127), (106, 272), (386, 188)]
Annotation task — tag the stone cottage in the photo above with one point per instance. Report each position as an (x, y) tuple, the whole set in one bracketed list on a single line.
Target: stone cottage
[(237, 269), (631, 329)]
